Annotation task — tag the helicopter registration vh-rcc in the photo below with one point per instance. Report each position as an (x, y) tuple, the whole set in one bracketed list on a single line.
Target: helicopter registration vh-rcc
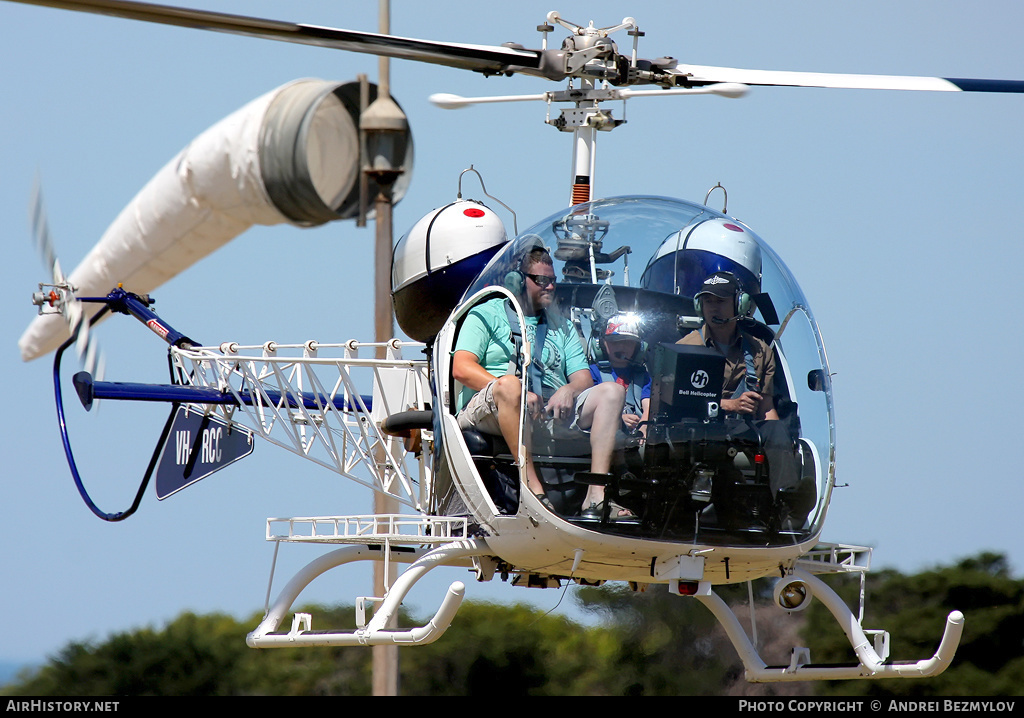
[(699, 492)]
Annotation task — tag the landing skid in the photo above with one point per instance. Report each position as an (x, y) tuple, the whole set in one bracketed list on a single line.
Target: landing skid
[(373, 538), (426, 542), (871, 654)]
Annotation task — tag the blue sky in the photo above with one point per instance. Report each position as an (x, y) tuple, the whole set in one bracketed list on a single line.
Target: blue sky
[(895, 211)]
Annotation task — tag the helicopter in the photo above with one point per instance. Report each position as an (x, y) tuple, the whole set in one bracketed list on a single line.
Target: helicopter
[(638, 269)]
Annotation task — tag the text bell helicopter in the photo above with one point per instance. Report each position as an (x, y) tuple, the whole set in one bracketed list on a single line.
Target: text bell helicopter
[(695, 493)]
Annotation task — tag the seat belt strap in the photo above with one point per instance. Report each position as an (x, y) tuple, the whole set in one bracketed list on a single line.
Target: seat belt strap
[(535, 374), (750, 381)]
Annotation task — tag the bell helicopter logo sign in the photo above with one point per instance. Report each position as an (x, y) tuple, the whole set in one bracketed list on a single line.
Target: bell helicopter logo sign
[(196, 446), (699, 379)]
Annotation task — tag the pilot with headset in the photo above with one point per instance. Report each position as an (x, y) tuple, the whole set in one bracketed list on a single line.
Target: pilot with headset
[(748, 391), (749, 362), (559, 385)]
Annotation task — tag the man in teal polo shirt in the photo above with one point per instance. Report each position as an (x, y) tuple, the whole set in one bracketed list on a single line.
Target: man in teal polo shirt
[(484, 363)]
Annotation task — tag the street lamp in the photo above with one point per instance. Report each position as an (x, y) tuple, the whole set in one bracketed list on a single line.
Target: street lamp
[(387, 154), (386, 135)]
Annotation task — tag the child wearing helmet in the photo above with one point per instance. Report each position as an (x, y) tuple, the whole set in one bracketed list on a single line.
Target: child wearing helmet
[(623, 350), (623, 365)]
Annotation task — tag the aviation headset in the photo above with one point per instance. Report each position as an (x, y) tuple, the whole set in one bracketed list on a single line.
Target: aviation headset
[(515, 280), (742, 305)]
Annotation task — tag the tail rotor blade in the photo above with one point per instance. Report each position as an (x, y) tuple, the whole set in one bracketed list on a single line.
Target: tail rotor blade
[(93, 360), (41, 234), (86, 346)]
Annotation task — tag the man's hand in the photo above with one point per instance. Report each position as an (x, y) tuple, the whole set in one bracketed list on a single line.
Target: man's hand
[(562, 404), (534, 405), (746, 403), (631, 421)]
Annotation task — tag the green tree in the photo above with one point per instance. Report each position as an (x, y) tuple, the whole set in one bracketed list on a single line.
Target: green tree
[(199, 656), (661, 646), (647, 643), (191, 656), (515, 650), (509, 651)]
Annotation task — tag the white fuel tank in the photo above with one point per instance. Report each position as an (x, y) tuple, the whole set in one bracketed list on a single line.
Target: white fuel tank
[(436, 260)]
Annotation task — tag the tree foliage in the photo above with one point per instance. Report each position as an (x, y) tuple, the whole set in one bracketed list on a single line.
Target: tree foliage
[(664, 644), (509, 651)]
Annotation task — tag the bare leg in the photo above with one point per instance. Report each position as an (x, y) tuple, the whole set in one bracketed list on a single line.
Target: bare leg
[(602, 413), (507, 394)]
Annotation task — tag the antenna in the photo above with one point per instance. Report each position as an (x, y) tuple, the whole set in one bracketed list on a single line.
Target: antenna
[(515, 223)]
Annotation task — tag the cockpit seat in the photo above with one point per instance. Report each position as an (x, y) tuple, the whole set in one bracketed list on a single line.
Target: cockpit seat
[(557, 456), (570, 452), (747, 501)]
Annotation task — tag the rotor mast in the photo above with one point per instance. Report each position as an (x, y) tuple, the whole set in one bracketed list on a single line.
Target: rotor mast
[(584, 147), (592, 63), (588, 118)]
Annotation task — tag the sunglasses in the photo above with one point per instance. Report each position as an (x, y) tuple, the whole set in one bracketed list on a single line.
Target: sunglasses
[(542, 280)]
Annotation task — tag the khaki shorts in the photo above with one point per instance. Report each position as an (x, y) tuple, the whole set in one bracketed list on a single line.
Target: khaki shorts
[(481, 413)]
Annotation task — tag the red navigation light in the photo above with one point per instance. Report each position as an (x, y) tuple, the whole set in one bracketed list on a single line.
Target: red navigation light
[(473, 212), (688, 588)]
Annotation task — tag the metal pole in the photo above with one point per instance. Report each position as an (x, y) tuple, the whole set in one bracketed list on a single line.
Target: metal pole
[(385, 657), (383, 63)]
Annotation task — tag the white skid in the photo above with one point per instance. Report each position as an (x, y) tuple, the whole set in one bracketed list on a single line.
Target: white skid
[(378, 630), (870, 664)]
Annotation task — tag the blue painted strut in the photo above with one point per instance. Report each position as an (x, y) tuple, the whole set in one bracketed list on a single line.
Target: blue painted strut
[(90, 390), (136, 305)]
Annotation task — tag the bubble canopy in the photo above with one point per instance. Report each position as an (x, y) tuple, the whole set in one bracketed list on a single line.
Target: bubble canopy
[(693, 472)]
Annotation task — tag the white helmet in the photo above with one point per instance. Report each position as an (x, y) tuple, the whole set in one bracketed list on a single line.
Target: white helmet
[(696, 251)]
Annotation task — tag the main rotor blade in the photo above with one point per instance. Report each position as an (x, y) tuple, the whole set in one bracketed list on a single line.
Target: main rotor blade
[(488, 59), (703, 74)]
